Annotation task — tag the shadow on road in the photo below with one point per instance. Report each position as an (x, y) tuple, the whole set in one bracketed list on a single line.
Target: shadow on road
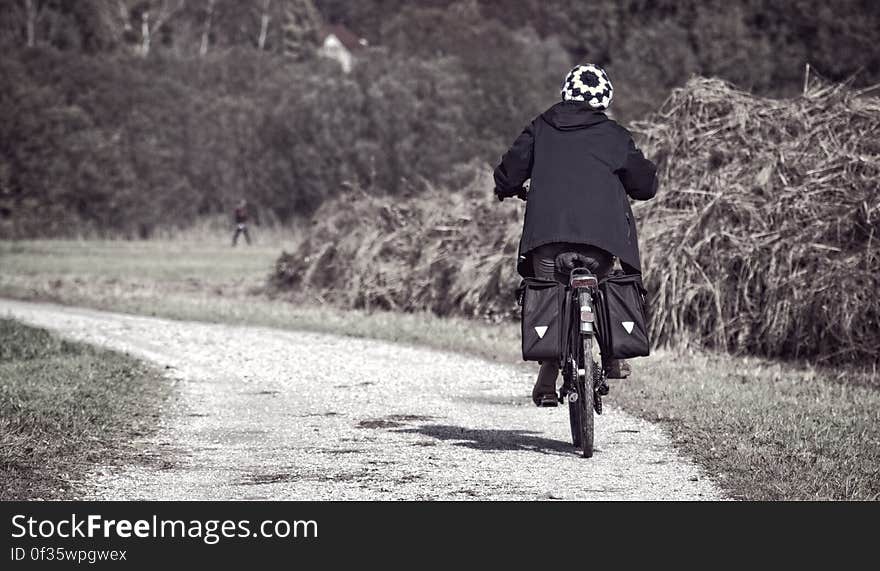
[(492, 439)]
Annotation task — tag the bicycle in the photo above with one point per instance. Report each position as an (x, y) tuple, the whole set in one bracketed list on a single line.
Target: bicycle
[(584, 381)]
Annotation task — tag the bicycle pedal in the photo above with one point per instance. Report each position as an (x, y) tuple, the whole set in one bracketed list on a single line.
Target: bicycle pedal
[(602, 389), (597, 404)]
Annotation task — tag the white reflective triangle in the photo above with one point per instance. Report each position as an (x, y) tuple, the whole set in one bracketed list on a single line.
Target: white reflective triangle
[(628, 325), (541, 331)]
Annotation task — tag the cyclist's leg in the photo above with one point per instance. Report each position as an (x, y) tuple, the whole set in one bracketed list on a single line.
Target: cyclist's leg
[(544, 267)]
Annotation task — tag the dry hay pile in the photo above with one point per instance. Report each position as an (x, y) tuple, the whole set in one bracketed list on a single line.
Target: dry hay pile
[(444, 252), (765, 236)]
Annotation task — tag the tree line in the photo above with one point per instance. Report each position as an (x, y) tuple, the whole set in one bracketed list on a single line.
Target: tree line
[(124, 116)]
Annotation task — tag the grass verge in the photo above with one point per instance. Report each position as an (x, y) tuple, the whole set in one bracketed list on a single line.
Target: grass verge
[(763, 429), (64, 408)]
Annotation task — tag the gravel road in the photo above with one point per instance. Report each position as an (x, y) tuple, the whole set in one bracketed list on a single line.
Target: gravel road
[(261, 413)]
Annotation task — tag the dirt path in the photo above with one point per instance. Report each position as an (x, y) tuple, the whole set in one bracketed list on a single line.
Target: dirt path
[(262, 413)]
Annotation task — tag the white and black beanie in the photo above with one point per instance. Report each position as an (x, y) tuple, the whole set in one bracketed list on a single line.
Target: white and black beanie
[(588, 83)]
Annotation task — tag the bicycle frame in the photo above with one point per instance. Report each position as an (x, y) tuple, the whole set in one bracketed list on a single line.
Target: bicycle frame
[(582, 373), (580, 309)]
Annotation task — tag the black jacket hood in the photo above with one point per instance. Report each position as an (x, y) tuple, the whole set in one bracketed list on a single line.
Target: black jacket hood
[(572, 115)]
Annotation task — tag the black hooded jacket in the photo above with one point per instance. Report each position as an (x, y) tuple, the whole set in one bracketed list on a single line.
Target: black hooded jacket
[(582, 167)]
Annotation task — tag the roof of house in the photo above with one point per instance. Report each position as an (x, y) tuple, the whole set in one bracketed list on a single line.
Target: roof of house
[(348, 38)]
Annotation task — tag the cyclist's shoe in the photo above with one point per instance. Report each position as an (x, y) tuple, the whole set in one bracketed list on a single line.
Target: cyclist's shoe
[(544, 396), (617, 369)]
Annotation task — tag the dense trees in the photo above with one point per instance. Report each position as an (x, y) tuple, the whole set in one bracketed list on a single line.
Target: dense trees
[(181, 27), (652, 45), (760, 44), (120, 116), (186, 138)]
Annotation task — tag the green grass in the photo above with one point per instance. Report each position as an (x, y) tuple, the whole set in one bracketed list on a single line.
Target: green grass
[(65, 408), (767, 430), (167, 261), (764, 429)]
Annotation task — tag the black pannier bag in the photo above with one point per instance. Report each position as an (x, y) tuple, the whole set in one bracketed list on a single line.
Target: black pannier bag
[(542, 319), (623, 326)]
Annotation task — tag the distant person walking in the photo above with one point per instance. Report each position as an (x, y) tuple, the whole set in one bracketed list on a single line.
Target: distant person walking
[(241, 223)]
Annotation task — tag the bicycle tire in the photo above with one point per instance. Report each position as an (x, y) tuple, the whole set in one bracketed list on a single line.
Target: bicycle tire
[(586, 388), (574, 411)]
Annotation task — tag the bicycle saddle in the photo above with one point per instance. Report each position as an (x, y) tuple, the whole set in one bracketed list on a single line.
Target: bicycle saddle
[(567, 261)]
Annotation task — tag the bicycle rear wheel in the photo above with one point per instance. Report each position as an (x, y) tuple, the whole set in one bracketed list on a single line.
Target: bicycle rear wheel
[(586, 394), (574, 407)]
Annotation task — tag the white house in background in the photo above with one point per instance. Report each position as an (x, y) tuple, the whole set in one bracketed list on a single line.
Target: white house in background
[(340, 43)]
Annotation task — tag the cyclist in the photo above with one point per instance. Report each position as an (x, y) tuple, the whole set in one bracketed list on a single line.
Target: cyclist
[(582, 166)]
